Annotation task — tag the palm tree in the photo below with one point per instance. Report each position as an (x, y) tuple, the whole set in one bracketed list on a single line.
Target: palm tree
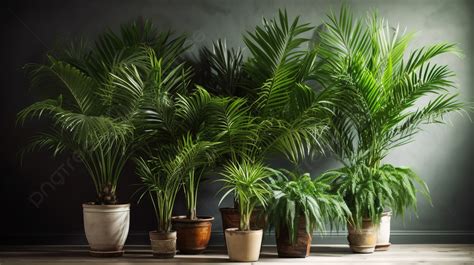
[(91, 108), (279, 86), (383, 87)]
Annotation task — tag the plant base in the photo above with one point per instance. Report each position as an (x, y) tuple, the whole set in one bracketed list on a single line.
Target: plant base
[(243, 245), (193, 235), (300, 248), (362, 240), (106, 228), (163, 245)]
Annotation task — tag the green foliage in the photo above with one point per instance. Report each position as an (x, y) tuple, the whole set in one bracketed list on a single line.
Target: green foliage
[(162, 174), (388, 93), (247, 181), (90, 102), (298, 196), (220, 69), (369, 190)]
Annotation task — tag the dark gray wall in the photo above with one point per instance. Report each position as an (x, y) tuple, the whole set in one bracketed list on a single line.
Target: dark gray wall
[(40, 206)]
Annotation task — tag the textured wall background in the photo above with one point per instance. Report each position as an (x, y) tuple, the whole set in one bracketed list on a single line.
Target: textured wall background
[(40, 206)]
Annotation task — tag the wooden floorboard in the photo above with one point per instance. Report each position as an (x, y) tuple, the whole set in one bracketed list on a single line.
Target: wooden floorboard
[(320, 254)]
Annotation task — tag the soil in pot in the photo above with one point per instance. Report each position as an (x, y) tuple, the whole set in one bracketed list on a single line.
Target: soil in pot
[(362, 240), (193, 235), (163, 245), (106, 228), (383, 232), (243, 245), (300, 247)]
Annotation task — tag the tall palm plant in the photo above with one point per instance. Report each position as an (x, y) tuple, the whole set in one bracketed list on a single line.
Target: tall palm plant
[(384, 87), (90, 106), (277, 85)]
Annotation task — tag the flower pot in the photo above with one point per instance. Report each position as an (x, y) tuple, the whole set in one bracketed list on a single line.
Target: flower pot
[(383, 232), (193, 235), (362, 240), (106, 228), (163, 245), (300, 248), (243, 245)]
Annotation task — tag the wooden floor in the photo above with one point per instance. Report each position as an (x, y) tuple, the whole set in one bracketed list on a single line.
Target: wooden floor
[(330, 254)]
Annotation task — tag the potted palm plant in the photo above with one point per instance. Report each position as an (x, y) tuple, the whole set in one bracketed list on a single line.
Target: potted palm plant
[(247, 180), (298, 206), (162, 175), (387, 95), (91, 113), (193, 230), (169, 113)]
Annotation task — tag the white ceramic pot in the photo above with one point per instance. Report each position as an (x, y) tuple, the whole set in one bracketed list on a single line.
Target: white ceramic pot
[(383, 232), (243, 245), (106, 228)]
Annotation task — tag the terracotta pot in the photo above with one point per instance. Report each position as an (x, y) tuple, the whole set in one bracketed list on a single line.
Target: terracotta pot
[(300, 248), (243, 245), (193, 235), (383, 232), (362, 240), (163, 245), (106, 228)]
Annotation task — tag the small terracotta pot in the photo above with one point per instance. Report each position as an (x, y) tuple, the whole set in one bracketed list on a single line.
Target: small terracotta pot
[(193, 235), (300, 248), (243, 245), (383, 232), (106, 228), (163, 245), (362, 240)]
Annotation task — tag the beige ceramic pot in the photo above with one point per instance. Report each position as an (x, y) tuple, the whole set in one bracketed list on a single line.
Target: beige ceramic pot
[(362, 240), (383, 232), (243, 245), (106, 228), (163, 245)]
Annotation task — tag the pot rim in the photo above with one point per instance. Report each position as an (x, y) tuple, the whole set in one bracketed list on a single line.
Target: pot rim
[(185, 219), (387, 213), (236, 230), (161, 233), (105, 206)]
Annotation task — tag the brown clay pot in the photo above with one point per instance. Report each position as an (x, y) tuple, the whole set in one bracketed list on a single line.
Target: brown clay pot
[(231, 219), (193, 235), (362, 240), (163, 245), (300, 248)]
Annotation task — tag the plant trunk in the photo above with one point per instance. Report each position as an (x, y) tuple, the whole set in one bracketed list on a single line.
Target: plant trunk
[(245, 222), (107, 196), (192, 214)]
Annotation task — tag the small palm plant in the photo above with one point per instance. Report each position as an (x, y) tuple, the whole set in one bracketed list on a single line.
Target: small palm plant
[(90, 109), (248, 182), (298, 197), (163, 171), (388, 94)]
